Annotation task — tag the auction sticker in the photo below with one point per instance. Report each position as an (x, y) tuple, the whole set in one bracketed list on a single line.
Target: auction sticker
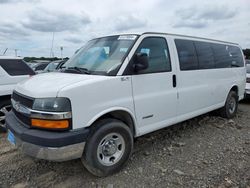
[(127, 37)]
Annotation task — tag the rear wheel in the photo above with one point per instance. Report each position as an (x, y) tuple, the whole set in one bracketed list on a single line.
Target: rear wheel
[(108, 148), (5, 107), (231, 106)]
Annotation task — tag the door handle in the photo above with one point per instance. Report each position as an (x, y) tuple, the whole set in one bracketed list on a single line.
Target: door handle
[(174, 80)]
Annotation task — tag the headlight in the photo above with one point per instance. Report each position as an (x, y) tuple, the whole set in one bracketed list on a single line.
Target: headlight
[(58, 104), (51, 113)]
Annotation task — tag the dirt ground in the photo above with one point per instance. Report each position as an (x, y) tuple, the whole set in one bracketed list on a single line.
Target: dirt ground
[(207, 151)]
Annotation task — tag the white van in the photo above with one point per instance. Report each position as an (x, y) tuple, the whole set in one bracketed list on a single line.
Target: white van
[(12, 71), (117, 88)]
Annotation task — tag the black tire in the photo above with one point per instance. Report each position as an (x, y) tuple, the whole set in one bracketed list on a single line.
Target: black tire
[(227, 111), (100, 131), (4, 103)]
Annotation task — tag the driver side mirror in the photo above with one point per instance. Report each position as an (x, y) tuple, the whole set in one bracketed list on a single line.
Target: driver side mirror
[(140, 62)]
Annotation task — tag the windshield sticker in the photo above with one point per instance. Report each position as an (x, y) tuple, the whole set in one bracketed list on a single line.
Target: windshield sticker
[(127, 37)]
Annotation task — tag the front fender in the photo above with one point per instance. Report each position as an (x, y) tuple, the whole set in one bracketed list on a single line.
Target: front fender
[(97, 116)]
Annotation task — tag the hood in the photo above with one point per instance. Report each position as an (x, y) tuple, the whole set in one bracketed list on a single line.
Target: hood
[(48, 84)]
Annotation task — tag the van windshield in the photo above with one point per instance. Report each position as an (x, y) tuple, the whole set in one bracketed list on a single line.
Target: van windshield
[(102, 56)]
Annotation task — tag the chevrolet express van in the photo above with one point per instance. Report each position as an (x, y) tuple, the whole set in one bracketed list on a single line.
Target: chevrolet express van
[(120, 87)]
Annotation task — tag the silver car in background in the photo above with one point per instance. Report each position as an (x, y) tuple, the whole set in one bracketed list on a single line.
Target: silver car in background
[(248, 79)]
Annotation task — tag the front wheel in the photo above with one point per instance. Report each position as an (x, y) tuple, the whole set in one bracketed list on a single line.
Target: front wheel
[(108, 148), (230, 109)]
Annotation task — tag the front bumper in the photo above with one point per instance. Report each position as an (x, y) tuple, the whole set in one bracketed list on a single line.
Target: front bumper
[(57, 154), (48, 145)]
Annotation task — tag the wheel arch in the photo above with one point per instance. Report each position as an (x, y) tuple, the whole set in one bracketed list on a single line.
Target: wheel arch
[(235, 88), (122, 114)]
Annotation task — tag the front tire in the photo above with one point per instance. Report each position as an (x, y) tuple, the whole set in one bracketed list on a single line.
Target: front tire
[(5, 107), (230, 108), (108, 148)]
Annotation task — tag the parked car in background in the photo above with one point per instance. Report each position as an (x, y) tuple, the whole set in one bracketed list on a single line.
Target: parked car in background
[(247, 61), (12, 71), (39, 67), (121, 87), (248, 80), (54, 66)]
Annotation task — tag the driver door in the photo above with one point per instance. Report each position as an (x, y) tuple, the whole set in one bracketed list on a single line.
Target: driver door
[(154, 90)]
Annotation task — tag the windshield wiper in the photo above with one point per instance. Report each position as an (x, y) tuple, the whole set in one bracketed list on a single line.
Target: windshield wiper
[(77, 70)]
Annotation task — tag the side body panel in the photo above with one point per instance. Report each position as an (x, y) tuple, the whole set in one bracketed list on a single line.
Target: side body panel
[(90, 100)]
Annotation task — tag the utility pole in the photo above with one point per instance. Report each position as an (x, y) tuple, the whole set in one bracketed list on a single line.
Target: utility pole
[(52, 46), (61, 48)]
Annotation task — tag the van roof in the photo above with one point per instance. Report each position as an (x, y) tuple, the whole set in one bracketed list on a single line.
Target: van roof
[(171, 34), (10, 57), (179, 35)]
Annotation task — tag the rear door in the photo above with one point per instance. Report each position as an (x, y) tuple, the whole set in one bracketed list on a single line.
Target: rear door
[(155, 96)]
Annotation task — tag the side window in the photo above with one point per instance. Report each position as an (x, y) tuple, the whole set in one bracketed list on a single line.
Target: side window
[(16, 67), (235, 55), (187, 54), (157, 50), (221, 56), (205, 55)]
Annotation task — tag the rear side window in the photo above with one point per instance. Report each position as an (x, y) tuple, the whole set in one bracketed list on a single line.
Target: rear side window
[(205, 55), (235, 56), (16, 67), (157, 50), (187, 54), (221, 55)]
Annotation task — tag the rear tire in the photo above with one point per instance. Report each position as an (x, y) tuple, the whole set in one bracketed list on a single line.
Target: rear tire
[(108, 148), (5, 107), (231, 106)]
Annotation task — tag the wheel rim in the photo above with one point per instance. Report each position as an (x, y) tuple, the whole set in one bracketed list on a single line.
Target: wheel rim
[(232, 105), (3, 112), (111, 149)]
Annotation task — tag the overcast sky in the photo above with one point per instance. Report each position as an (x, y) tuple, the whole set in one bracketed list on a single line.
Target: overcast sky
[(28, 25)]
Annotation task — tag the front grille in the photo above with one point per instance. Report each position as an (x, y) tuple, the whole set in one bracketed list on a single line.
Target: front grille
[(25, 101), (26, 120), (22, 99)]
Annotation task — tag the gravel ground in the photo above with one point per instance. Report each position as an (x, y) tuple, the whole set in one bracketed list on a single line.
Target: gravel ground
[(207, 151)]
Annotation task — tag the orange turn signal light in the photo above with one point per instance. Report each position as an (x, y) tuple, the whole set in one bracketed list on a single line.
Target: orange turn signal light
[(50, 124)]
